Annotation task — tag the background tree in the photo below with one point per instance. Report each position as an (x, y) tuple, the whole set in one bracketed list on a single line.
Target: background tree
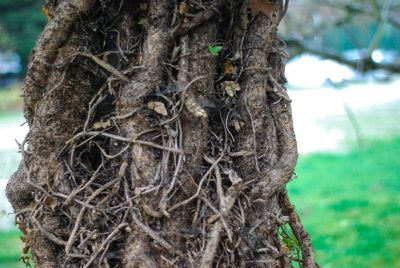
[(20, 24), (327, 28), (160, 136)]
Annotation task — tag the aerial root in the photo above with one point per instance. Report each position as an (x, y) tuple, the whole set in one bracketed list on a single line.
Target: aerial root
[(299, 231)]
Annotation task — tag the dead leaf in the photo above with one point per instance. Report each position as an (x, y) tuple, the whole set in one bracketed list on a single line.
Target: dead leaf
[(25, 250), (183, 8), (22, 227), (158, 107), (51, 202), (142, 21), (257, 6), (229, 68), (231, 87), (46, 11), (237, 125), (102, 124)]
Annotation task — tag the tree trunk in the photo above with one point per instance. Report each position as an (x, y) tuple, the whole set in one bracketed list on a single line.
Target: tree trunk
[(160, 135)]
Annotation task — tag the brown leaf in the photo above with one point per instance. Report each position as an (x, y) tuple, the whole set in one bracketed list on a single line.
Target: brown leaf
[(25, 250), (158, 107), (22, 227), (46, 11), (229, 68), (102, 124), (231, 87), (257, 6), (51, 202), (183, 8), (237, 125)]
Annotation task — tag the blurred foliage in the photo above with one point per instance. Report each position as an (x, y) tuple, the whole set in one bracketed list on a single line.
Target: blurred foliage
[(344, 24), (326, 28), (5, 39), (350, 203), (21, 22), (10, 99)]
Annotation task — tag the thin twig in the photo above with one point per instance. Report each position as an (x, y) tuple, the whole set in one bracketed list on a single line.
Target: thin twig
[(71, 239), (48, 234), (105, 243), (106, 66), (155, 236), (205, 176)]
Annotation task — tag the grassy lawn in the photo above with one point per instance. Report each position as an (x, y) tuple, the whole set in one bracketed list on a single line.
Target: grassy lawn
[(350, 203), (10, 250)]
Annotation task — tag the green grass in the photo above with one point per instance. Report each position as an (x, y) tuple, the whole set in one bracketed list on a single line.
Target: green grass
[(350, 203), (10, 249)]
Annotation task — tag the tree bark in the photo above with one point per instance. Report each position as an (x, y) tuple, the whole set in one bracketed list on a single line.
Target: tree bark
[(160, 135)]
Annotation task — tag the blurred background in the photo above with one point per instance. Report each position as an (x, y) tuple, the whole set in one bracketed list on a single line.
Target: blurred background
[(344, 79)]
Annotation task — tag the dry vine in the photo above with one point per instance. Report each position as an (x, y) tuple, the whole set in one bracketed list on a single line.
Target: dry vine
[(147, 148)]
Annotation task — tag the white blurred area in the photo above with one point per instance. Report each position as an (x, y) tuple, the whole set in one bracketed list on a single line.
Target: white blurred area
[(308, 71), (324, 91), (10, 133), (313, 109), (316, 107)]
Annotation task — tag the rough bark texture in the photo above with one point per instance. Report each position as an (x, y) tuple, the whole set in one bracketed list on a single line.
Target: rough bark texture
[(160, 135)]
